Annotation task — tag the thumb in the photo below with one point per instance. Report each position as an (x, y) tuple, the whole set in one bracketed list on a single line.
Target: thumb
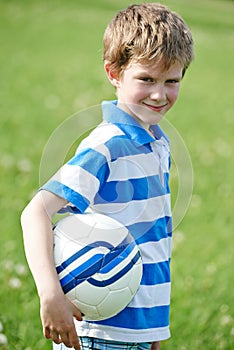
[(76, 313)]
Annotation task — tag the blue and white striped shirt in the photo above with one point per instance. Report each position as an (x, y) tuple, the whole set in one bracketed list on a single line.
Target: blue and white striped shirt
[(122, 171)]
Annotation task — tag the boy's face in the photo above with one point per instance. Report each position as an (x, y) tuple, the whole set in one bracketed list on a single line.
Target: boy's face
[(148, 91)]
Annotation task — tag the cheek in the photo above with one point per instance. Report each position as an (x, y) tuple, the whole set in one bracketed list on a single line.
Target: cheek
[(139, 92), (134, 94), (173, 95)]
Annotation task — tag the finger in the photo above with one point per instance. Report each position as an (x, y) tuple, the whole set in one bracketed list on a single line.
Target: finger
[(74, 340), (70, 337), (77, 346), (46, 332), (65, 339), (55, 337), (69, 342), (155, 346)]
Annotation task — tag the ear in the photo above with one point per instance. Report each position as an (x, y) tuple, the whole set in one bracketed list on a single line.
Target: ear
[(112, 74)]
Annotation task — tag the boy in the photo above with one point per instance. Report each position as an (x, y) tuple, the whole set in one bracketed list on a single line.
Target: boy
[(120, 170)]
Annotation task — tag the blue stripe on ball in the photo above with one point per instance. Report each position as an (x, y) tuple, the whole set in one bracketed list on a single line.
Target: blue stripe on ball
[(101, 263), (117, 276)]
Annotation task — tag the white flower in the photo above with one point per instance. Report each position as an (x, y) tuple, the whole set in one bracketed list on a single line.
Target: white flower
[(24, 165), (178, 238), (3, 339), (225, 320), (21, 269), (8, 265), (15, 283)]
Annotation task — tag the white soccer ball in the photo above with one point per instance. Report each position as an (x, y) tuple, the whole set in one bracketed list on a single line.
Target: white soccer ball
[(98, 264)]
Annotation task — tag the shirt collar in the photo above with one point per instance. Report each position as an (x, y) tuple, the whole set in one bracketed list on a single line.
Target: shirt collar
[(113, 114)]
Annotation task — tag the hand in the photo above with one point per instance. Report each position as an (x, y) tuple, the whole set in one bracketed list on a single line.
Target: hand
[(155, 345), (57, 319)]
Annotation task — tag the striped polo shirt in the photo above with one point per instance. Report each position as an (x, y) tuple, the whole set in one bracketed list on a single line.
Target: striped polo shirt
[(122, 171)]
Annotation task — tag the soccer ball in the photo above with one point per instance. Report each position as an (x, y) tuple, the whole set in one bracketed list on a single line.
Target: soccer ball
[(98, 264)]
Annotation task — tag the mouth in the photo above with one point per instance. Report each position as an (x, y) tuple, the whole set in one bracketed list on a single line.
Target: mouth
[(155, 108)]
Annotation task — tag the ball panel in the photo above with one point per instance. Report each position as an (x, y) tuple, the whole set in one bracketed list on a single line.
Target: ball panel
[(72, 227), (94, 295), (109, 306), (112, 236)]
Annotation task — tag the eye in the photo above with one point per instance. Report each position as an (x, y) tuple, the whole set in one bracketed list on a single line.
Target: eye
[(146, 79), (173, 81)]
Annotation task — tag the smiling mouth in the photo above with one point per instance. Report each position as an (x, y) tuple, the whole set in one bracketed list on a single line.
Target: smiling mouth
[(155, 108)]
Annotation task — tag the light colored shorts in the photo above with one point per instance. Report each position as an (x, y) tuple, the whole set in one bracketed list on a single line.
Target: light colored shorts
[(102, 344)]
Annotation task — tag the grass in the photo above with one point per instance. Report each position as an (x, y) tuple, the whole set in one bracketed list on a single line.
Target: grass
[(51, 67)]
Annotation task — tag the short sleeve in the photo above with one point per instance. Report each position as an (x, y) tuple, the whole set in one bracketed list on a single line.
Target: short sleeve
[(79, 180)]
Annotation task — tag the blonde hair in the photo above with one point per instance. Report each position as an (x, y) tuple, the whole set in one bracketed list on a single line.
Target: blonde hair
[(145, 32)]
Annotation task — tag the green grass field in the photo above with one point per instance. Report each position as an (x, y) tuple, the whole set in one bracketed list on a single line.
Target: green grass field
[(50, 68)]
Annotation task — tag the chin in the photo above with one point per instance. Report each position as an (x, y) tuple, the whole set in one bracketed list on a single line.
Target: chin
[(156, 120)]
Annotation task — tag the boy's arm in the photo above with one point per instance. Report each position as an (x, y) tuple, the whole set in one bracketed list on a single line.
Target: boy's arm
[(56, 311)]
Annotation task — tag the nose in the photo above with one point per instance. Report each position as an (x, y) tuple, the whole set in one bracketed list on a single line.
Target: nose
[(158, 92)]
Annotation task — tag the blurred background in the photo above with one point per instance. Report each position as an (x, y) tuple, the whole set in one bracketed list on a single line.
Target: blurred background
[(50, 68)]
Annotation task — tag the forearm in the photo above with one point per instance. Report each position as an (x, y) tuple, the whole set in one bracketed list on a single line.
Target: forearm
[(38, 242)]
